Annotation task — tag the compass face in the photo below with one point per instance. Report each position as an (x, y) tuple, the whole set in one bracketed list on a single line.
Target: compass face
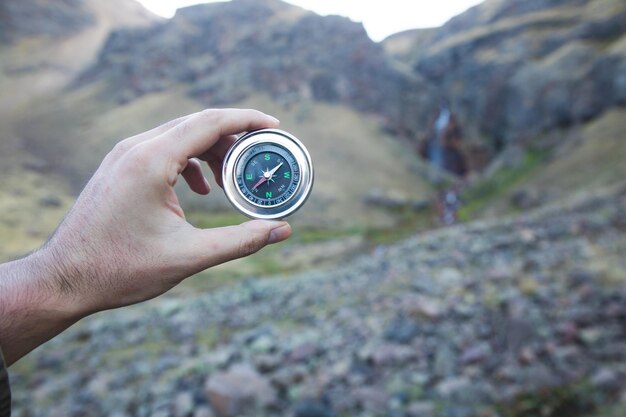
[(268, 174)]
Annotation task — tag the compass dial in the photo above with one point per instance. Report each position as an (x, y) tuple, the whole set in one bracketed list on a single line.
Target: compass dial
[(267, 174)]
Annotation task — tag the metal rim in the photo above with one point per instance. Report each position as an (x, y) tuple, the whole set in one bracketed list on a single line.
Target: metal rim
[(270, 136)]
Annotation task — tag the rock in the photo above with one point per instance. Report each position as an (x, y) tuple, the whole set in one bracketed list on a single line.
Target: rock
[(421, 409), (52, 19), (203, 412), (390, 354), (606, 379), (476, 353), (525, 199), (454, 387), (402, 330), (50, 201), (263, 344), (421, 306), (312, 408), (527, 356), (379, 198), (238, 390), (445, 359), (372, 399), (450, 277), (37, 165), (303, 352), (183, 405), (581, 276), (267, 363), (288, 376), (591, 336), (568, 331), (220, 357)]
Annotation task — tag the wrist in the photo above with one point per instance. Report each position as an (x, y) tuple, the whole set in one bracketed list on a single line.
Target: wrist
[(32, 309)]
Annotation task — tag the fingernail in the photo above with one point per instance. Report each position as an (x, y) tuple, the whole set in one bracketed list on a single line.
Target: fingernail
[(279, 233), (275, 119)]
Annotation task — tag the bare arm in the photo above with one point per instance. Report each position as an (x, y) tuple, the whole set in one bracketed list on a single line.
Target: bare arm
[(126, 239)]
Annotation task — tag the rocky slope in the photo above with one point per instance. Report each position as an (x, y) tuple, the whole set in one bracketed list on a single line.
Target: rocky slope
[(516, 69), (522, 316), (224, 52), (54, 19)]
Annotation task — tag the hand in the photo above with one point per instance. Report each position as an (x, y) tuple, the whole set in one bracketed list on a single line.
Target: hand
[(126, 239)]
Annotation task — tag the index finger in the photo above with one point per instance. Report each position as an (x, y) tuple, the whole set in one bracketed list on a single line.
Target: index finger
[(200, 132)]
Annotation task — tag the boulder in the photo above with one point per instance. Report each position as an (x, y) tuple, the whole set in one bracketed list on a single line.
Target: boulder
[(238, 390)]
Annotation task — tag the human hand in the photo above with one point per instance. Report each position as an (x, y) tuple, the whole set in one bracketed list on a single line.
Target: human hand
[(126, 239)]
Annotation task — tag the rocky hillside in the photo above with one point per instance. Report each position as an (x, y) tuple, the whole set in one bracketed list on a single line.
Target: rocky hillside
[(515, 69), (54, 19), (518, 317), (223, 52)]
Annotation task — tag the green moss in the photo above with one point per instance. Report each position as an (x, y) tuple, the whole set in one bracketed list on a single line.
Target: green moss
[(208, 337), (483, 193), (574, 400)]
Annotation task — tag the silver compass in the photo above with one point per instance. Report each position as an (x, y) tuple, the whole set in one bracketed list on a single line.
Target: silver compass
[(267, 174)]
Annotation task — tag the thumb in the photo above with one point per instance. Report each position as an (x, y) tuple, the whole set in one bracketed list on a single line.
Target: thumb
[(223, 244)]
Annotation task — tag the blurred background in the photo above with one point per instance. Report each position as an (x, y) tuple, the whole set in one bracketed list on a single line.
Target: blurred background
[(462, 253)]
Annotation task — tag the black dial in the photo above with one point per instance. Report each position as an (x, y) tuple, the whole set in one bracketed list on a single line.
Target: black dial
[(268, 175)]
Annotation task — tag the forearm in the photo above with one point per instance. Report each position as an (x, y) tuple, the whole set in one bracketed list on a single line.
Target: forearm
[(32, 309)]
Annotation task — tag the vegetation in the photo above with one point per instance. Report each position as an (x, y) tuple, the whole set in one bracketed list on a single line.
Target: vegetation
[(496, 186)]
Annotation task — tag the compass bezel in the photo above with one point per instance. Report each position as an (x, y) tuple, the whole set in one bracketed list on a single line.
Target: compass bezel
[(236, 157)]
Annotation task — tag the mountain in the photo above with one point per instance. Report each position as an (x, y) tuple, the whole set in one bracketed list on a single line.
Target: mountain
[(539, 88), (322, 76), (45, 44), (516, 68), (223, 52), (535, 85)]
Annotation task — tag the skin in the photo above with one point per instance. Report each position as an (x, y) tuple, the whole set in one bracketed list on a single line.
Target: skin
[(126, 239)]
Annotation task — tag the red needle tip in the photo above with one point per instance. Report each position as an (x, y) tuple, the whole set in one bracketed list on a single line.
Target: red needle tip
[(261, 181)]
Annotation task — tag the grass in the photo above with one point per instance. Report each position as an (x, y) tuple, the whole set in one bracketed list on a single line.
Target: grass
[(597, 161), (309, 247), (577, 399), (493, 188)]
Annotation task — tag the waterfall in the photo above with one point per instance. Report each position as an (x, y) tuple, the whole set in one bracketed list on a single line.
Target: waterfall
[(436, 149)]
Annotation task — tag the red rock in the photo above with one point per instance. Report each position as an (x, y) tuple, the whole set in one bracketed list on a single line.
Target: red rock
[(239, 389)]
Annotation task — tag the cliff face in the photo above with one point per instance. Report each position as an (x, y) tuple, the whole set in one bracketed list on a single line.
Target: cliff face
[(20, 18), (224, 52), (514, 68)]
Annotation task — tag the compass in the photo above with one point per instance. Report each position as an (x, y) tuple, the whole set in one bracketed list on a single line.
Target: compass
[(267, 174)]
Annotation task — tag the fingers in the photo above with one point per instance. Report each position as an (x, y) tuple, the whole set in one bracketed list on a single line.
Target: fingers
[(194, 177), (199, 133), (122, 147), (223, 244), (152, 133), (215, 156)]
